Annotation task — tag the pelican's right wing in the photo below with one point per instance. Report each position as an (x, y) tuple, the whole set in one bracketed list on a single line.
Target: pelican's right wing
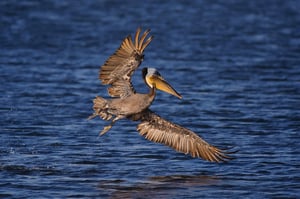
[(157, 129), (119, 67)]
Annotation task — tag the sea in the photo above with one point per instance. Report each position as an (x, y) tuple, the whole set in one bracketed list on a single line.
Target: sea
[(236, 63)]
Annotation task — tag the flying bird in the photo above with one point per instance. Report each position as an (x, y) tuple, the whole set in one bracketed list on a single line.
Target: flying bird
[(125, 102)]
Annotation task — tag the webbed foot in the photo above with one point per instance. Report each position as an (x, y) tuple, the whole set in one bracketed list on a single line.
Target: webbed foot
[(105, 129)]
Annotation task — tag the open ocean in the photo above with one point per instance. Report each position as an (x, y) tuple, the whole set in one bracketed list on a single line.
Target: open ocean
[(236, 64)]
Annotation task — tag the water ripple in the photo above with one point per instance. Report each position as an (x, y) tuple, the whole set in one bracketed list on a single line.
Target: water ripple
[(235, 63)]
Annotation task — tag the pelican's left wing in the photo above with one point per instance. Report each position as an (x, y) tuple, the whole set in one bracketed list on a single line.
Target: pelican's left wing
[(119, 67), (157, 129)]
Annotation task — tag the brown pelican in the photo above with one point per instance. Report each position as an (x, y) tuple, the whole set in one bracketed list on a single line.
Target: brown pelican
[(127, 103)]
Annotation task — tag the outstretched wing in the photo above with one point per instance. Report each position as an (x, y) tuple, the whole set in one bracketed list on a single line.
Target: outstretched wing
[(119, 67), (157, 129)]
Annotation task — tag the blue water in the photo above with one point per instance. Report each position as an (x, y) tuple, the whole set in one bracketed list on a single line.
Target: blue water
[(236, 64)]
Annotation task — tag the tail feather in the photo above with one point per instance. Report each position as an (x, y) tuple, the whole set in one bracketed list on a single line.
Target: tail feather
[(99, 103), (101, 109)]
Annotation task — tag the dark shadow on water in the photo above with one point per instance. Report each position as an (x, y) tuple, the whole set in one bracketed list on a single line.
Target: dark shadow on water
[(156, 186)]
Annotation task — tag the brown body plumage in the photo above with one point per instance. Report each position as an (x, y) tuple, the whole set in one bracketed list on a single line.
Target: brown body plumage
[(126, 103)]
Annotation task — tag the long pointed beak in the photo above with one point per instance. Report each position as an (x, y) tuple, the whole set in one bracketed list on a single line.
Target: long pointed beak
[(163, 85)]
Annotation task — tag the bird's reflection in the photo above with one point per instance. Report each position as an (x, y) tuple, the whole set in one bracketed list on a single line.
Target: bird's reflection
[(156, 186)]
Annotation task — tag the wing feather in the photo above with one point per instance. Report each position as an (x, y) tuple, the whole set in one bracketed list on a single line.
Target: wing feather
[(157, 129), (119, 67)]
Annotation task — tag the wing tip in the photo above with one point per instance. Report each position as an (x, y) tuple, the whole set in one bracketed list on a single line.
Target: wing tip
[(224, 155)]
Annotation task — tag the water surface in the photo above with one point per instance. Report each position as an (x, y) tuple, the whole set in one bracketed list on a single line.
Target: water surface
[(235, 63)]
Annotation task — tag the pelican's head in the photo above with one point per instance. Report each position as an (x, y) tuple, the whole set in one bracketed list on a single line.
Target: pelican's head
[(154, 79)]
